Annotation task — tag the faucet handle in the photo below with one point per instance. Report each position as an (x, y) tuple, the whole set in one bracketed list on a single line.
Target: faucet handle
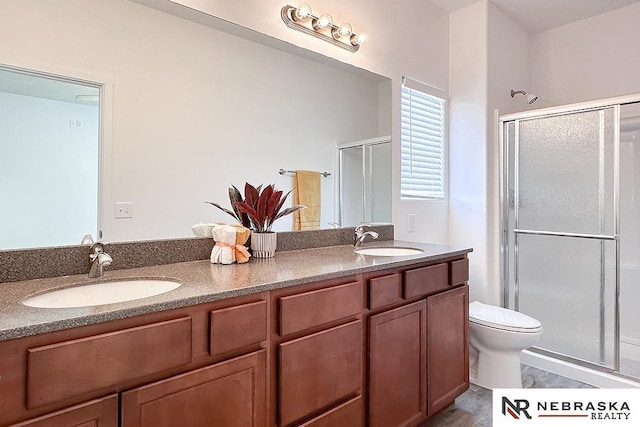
[(361, 228), (96, 249), (87, 240)]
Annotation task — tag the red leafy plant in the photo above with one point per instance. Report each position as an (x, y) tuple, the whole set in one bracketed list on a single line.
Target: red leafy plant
[(260, 208)]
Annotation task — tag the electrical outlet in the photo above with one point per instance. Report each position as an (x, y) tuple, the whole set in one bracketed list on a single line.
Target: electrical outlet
[(124, 210), (411, 223)]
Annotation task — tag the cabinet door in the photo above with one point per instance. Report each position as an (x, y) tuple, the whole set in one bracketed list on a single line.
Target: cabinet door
[(230, 394), (447, 348), (100, 412), (397, 366)]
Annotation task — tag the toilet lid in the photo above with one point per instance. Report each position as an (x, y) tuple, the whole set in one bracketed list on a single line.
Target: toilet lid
[(498, 317)]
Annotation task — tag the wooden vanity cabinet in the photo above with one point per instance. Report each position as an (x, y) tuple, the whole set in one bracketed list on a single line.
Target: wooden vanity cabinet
[(79, 377), (417, 342), (380, 349)]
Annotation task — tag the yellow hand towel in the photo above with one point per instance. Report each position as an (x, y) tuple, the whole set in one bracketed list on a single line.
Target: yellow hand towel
[(307, 193)]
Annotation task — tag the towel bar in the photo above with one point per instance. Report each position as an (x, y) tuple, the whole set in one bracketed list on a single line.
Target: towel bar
[(283, 171)]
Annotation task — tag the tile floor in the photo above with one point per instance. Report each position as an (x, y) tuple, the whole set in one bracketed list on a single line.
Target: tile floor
[(473, 408)]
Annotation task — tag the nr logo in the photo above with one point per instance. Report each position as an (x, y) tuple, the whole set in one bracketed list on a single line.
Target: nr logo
[(516, 409)]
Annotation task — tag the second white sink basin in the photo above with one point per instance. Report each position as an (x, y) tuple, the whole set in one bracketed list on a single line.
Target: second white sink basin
[(101, 293), (388, 251)]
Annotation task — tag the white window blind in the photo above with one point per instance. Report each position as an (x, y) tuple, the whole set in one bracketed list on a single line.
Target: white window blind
[(423, 133)]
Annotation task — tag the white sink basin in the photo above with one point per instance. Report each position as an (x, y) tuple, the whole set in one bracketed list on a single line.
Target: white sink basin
[(388, 251), (101, 293)]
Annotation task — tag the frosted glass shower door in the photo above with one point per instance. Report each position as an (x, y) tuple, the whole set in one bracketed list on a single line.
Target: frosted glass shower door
[(562, 237)]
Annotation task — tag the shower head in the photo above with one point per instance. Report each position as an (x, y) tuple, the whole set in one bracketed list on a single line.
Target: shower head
[(531, 98)]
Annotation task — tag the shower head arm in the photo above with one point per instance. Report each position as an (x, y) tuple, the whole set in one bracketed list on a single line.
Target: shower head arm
[(531, 98)]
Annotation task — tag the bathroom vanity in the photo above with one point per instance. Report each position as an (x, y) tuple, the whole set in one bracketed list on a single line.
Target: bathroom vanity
[(316, 337)]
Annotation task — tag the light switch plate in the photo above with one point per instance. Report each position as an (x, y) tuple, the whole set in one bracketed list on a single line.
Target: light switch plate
[(411, 223)]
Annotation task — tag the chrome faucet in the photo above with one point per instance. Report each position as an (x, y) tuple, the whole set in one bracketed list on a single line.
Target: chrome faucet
[(99, 259), (360, 234)]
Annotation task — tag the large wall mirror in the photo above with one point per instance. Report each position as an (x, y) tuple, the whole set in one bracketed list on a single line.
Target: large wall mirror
[(193, 110), (49, 159)]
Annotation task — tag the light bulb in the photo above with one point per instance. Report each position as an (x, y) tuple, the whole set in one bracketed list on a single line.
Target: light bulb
[(323, 21), (344, 30), (358, 39), (302, 13)]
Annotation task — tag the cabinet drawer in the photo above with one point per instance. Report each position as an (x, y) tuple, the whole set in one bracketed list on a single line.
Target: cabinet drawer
[(230, 394), (426, 280), (100, 412), (318, 371), (348, 414), (71, 368), (306, 310), (459, 272), (237, 327), (385, 290)]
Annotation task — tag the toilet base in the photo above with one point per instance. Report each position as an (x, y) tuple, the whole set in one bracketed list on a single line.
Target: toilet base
[(498, 370)]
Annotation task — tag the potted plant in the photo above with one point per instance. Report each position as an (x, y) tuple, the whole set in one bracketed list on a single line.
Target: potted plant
[(259, 209)]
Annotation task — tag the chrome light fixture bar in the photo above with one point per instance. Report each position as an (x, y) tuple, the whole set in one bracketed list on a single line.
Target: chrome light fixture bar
[(302, 19)]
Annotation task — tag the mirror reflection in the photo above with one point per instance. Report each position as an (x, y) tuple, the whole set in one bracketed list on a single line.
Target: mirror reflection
[(365, 182), (192, 110), (48, 159)]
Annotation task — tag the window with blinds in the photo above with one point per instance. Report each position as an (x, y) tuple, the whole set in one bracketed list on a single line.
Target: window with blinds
[(423, 133)]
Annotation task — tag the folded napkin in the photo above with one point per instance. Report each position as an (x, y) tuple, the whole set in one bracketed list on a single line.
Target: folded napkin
[(203, 230)]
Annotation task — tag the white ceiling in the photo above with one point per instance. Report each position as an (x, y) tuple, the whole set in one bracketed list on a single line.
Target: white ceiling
[(541, 15)]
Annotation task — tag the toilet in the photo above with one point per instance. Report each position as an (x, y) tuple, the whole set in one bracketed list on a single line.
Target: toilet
[(497, 337)]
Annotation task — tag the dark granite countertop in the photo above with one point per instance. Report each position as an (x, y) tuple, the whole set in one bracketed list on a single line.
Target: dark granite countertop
[(201, 282)]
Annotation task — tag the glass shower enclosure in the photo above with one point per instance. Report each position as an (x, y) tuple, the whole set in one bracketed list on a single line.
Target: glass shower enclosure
[(561, 227), (365, 182)]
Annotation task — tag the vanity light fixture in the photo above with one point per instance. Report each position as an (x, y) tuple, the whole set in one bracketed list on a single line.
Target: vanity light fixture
[(301, 18)]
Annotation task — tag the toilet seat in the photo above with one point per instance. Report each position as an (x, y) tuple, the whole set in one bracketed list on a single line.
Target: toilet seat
[(501, 318)]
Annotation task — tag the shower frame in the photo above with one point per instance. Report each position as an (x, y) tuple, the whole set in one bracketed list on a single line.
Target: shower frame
[(504, 207)]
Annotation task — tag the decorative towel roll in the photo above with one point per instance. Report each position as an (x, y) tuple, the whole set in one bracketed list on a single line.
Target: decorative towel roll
[(241, 253), (223, 250)]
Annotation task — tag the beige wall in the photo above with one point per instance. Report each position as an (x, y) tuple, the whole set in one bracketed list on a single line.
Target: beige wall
[(489, 56), (590, 59)]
